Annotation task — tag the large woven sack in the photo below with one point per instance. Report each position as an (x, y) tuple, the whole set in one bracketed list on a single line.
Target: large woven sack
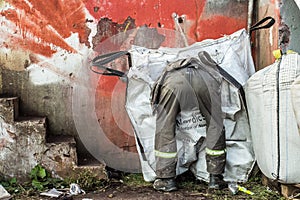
[(272, 94), (233, 54)]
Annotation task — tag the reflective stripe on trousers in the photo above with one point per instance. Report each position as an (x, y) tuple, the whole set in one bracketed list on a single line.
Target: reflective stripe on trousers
[(165, 154), (215, 152), (186, 89)]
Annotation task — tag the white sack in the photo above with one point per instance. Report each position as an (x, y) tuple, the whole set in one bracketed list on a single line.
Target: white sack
[(261, 92), (233, 54), (295, 92)]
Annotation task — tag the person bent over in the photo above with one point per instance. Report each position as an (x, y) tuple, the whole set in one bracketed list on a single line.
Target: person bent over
[(188, 85)]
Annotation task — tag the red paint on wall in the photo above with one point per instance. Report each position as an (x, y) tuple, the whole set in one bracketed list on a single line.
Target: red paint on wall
[(112, 17), (53, 21), (32, 46), (225, 26), (154, 12), (150, 12), (111, 113), (50, 22)]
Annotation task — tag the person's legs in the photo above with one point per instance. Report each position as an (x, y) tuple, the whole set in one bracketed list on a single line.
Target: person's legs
[(197, 89), (176, 95), (189, 89), (165, 142), (208, 91)]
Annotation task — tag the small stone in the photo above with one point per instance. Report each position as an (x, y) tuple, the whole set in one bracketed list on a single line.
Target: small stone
[(110, 196)]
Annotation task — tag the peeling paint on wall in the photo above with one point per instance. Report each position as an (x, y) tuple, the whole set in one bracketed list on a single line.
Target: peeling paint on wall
[(266, 39), (221, 18), (7, 133), (107, 28), (17, 60), (58, 39), (43, 26), (290, 16), (150, 13)]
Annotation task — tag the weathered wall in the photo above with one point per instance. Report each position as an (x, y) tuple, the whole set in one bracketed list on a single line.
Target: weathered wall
[(45, 47), (266, 40), (23, 145), (290, 14), (287, 16)]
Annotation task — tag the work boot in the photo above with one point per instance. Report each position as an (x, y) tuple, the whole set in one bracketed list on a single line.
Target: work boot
[(216, 182), (166, 184)]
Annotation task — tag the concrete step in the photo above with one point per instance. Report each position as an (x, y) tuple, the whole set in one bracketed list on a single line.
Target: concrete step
[(60, 155), (61, 158), (22, 146), (9, 108), (31, 125), (24, 143)]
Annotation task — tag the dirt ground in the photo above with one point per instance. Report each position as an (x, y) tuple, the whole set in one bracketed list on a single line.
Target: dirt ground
[(148, 193), (124, 192), (188, 189), (142, 193), (119, 191)]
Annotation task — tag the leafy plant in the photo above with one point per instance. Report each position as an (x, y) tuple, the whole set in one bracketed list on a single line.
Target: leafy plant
[(41, 179), (11, 184)]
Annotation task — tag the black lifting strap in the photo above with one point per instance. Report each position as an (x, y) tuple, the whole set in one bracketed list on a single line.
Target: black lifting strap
[(101, 60), (258, 26)]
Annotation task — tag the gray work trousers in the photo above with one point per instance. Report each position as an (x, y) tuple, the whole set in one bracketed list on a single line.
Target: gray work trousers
[(186, 89)]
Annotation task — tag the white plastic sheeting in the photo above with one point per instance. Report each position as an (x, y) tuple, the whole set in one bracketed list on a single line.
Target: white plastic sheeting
[(233, 54), (276, 138)]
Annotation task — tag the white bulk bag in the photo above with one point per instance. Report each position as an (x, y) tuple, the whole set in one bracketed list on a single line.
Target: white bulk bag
[(233, 54), (276, 139)]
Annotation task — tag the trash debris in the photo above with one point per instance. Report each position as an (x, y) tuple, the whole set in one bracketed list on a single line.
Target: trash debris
[(242, 189), (234, 188), (4, 195), (75, 189), (52, 193)]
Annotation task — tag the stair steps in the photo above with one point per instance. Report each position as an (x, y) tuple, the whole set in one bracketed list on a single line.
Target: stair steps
[(24, 143)]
